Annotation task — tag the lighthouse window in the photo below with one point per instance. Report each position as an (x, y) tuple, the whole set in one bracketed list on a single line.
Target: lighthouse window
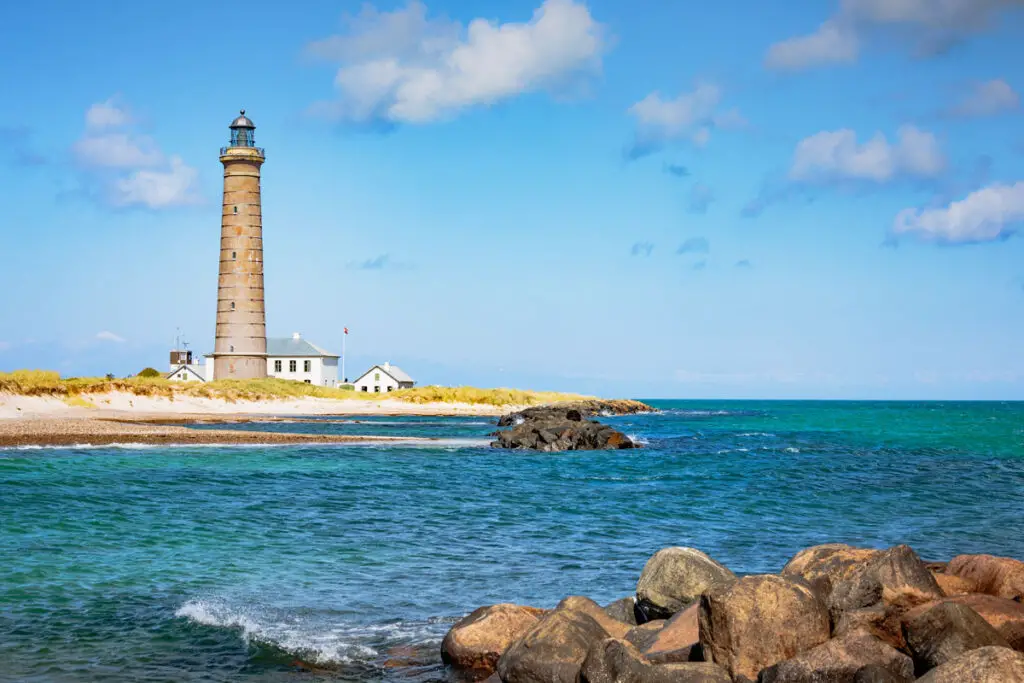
[(234, 255), (236, 209), (232, 305)]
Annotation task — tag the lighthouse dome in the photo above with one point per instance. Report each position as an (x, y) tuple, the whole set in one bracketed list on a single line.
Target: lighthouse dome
[(242, 121)]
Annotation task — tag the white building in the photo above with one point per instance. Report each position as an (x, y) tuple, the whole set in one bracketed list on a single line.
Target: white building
[(383, 378), (185, 369), (291, 358)]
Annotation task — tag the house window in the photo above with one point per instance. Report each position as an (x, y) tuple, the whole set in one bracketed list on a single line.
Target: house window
[(277, 366), (308, 382), (291, 365), (307, 365), (390, 387), (365, 388), (232, 349), (376, 390), (376, 377)]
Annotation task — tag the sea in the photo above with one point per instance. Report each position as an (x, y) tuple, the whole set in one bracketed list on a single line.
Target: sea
[(349, 562)]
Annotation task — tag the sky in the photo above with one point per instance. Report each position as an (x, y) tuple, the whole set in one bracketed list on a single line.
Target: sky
[(735, 199)]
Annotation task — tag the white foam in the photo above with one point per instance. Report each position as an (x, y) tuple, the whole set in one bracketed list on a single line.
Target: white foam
[(319, 643)]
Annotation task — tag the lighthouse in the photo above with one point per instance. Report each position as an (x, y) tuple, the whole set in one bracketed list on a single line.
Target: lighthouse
[(240, 350)]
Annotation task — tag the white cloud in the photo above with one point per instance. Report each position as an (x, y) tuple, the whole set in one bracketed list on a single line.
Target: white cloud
[(987, 99), (931, 23), (106, 115), (832, 43), (109, 336), (176, 186), (131, 167), (691, 116), (117, 150), (986, 215), (832, 156), (402, 67)]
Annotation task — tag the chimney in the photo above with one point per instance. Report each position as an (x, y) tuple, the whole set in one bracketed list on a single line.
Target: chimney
[(296, 336), (387, 365)]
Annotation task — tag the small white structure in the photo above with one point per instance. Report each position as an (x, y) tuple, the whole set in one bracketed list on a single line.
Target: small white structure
[(296, 359), (383, 378), (184, 368)]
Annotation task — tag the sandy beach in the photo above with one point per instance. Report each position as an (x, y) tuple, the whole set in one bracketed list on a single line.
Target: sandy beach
[(118, 417)]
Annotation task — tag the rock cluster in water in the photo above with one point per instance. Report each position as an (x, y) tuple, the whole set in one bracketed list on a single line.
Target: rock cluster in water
[(567, 427), (834, 614)]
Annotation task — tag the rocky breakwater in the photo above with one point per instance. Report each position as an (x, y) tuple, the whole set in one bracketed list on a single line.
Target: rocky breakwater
[(834, 614), (567, 426)]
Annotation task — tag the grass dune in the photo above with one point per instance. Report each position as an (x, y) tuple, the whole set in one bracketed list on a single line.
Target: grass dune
[(72, 390)]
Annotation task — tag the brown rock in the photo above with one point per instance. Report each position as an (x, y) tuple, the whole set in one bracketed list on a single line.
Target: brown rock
[(832, 562), (873, 673), (999, 576), (942, 632), (623, 610), (478, 640), (1006, 616), (839, 660), (759, 621), (894, 576), (680, 632), (614, 627), (553, 650), (674, 578), (955, 585), (883, 622), (615, 661), (984, 665), (643, 635)]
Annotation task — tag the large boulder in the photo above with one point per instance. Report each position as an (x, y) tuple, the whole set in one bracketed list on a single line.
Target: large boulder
[(758, 621), (984, 665), (675, 641), (614, 627), (623, 610), (854, 578), (552, 650), (872, 673), (478, 640), (674, 578), (615, 661), (839, 660), (1006, 616), (955, 585), (643, 635), (570, 433), (940, 633), (999, 576)]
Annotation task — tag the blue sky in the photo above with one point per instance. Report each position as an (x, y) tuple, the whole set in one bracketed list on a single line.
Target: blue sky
[(730, 199)]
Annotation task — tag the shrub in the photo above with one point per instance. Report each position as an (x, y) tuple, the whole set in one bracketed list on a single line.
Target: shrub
[(149, 372)]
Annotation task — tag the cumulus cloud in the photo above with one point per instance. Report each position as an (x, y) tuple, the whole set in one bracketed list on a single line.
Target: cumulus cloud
[(107, 115), (402, 67), (987, 98), (932, 25), (110, 337), (641, 249), (694, 245), (992, 213), (690, 116), (831, 156), (176, 186), (701, 197), (129, 166)]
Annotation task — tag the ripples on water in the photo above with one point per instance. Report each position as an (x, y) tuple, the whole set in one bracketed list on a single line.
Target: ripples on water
[(346, 562)]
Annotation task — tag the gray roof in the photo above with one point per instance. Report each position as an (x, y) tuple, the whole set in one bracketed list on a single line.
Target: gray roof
[(242, 121), (396, 373), (290, 346), (199, 372)]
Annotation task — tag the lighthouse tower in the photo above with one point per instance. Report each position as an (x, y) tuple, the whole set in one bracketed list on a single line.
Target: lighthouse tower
[(240, 350)]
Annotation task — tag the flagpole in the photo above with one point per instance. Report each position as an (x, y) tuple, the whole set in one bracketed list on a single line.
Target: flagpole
[(344, 379)]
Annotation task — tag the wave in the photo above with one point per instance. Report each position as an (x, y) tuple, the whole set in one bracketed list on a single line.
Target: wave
[(320, 643)]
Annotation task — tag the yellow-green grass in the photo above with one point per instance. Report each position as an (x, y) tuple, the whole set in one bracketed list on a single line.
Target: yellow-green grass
[(49, 383)]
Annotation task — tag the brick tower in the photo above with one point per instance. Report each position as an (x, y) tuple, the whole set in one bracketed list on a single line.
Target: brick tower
[(240, 350)]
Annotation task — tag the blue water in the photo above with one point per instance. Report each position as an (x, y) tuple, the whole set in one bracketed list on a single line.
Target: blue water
[(229, 563)]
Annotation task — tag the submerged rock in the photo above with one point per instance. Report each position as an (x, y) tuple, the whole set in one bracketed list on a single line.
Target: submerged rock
[(562, 434), (674, 578), (580, 409)]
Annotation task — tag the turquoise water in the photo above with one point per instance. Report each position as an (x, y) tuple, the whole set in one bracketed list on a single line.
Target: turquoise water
[(228, 563)]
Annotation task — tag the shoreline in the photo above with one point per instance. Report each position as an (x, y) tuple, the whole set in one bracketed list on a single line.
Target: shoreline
[(63, 432)]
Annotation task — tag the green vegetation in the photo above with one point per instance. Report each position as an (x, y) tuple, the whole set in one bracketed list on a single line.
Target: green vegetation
[(149, 372), (49, 383)]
